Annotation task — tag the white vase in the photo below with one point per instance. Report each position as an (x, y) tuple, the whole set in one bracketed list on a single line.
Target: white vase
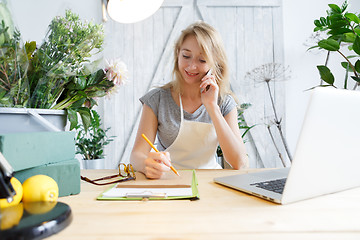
[(93, 164)]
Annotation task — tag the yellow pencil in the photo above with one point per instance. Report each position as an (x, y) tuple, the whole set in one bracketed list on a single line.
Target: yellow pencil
[(152, 145)]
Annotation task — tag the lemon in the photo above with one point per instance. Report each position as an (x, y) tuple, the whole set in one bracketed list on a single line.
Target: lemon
[(11, 216), (39, 207), (40, 188), (18, 196)]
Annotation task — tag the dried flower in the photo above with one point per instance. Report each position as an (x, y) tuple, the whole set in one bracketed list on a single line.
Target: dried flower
[(269, 72), (264, 74)]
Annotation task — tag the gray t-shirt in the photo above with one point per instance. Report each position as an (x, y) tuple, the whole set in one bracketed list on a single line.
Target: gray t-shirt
[(168, 114)]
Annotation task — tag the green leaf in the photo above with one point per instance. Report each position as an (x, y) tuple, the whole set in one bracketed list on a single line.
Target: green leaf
[(78, 103), (352, 56), (73, 119), (95, 120), (338, 24), (349, 37), (323, 21), (2, 93), (92, 102), (81, 82), (339, 31), (335, 8), (98, 93), (329, 44), (321, 85), (336, 17), (247, 130), (357, 66), (326, 74), (357, 79), (346, 66), (337, 38), (317, 23), (356, 45), (85, 117), (352, 17), (357, 31), (99, 76), (344, 6), (312, 47), (30, 47), (317, 29)]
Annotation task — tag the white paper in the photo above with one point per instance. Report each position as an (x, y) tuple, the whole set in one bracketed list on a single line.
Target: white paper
[(147, 192)]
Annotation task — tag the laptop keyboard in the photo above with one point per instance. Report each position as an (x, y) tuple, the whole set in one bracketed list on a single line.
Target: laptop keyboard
[(273, 185)]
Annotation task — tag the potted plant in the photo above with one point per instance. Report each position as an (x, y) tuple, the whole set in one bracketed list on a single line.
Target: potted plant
[(59, 74), (90, 143), (342, 29)]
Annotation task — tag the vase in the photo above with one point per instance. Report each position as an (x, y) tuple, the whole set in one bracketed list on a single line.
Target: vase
[(93, 164), (16, 120)]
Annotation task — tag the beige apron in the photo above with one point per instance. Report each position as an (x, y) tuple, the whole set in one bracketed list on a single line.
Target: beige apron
[(195, 145)]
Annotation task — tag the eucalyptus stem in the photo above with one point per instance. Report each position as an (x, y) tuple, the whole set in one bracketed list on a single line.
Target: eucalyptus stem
[(3, 87), (3, 71), (1, 80)]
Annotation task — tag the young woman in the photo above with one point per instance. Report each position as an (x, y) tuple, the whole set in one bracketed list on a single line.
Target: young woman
[(193, 113)]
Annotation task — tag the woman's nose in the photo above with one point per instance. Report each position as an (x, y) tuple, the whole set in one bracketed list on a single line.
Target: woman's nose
[(192, 64)]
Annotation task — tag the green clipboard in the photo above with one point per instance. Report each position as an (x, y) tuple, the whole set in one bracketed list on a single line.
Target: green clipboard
[(193, 196)]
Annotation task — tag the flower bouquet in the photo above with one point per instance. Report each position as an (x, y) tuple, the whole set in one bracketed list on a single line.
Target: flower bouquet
[(59, 74)]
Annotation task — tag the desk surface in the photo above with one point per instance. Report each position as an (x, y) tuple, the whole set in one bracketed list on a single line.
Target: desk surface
[(221, 213)]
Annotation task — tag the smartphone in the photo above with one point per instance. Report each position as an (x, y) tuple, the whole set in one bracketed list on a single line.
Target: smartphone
[(208, 86), (208, 73)]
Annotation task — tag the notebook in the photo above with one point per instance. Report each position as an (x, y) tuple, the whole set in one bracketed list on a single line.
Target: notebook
[(168, 187), (327, 155)]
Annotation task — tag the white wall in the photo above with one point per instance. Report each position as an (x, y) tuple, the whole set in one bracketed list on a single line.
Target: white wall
[(33, 16), (298, 26)]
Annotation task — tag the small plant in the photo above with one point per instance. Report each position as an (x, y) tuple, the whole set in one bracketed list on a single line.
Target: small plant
[(242, 125), (90, 144), (343, 30)]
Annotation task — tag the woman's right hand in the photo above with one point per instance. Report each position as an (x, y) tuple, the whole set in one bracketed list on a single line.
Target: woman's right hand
[(156, 164)]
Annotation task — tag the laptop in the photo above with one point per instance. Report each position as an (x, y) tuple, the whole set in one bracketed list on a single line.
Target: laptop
[(327, 155)]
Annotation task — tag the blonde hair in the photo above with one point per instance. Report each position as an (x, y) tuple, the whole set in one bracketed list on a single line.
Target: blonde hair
[(212, 46)]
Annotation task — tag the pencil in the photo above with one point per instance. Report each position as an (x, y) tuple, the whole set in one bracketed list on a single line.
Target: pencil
[(152, 145)]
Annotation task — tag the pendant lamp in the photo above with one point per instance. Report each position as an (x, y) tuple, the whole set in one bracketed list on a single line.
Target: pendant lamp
[(131, 11)]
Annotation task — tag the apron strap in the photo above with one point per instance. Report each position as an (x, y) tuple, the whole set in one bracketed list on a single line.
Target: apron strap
[(181, 109)]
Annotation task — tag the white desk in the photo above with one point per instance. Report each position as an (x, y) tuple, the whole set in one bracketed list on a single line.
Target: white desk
[(221, 213)]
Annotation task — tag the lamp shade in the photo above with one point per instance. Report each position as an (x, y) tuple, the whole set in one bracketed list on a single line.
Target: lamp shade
[(131, 11)]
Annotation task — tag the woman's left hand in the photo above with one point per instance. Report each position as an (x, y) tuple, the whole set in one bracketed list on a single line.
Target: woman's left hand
[(209, 90)]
